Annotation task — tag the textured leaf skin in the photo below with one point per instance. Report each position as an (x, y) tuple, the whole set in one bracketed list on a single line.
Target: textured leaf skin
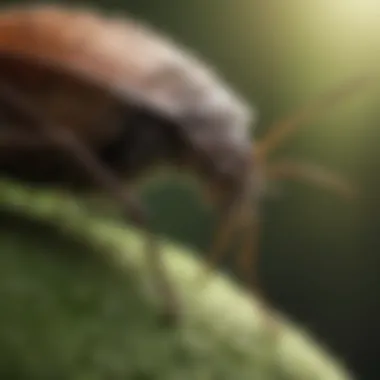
[(77, 302)]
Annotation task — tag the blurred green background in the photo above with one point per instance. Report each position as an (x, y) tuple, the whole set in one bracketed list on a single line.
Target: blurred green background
[(320, 255)]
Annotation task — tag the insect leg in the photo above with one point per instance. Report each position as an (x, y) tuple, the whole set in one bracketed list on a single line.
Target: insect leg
[(250, 247), (227, 224), (234, 218), (65, 140), (249, 227), (231, 203)]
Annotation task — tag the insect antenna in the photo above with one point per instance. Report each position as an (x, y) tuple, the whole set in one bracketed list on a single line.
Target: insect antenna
[(284, 128), (314, 174), (244, 214), (290, 169), (64, 140)]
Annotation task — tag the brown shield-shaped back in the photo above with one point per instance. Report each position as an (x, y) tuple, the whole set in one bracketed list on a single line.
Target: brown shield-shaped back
[(122, 55), (77, 64)]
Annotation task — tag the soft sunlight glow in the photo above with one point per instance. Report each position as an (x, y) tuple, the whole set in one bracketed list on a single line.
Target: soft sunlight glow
[(346, 36), (358, 18), (356, 9)]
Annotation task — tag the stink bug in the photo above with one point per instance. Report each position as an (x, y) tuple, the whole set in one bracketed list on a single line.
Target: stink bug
[(93, 101)]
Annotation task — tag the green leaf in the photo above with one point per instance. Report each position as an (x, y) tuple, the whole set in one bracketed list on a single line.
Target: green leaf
[(77, 302)]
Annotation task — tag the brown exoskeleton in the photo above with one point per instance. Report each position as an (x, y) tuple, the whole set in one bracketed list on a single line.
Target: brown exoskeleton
[(94, 101)]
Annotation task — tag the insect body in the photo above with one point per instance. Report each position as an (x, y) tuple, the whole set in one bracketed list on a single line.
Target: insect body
[(115, 97), (84, 93)]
